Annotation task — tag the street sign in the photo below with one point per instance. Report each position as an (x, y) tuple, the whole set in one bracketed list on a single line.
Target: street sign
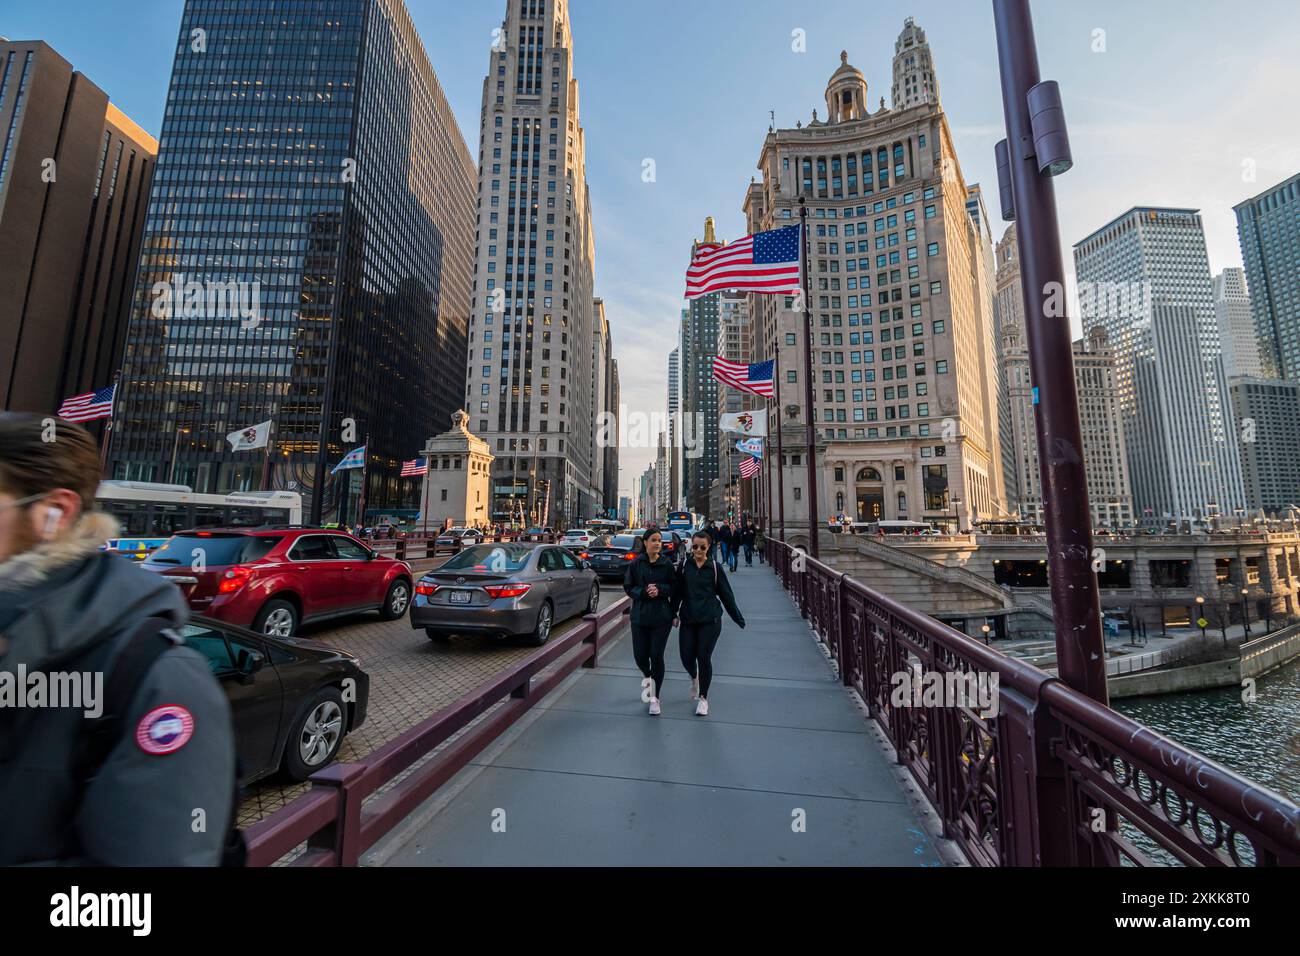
[(1202, 622)]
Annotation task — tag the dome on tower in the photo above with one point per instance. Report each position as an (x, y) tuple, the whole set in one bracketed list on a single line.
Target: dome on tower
[(846, 93)]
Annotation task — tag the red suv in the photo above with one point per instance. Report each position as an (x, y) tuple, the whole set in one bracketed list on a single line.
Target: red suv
[(273, 579)]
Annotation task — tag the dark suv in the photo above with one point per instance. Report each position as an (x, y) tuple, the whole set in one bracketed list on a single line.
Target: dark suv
[(271, 580)]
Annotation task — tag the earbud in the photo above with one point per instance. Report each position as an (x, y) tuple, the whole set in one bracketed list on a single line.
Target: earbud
[(53, 515)]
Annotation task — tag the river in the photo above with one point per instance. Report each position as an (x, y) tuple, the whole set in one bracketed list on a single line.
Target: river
[(1259, 740)]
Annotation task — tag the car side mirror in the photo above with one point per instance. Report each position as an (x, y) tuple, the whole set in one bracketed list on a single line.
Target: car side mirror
[(586, 565), (249, 662)]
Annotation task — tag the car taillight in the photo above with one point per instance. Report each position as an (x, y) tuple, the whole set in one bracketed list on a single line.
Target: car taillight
[(234, 580), (425, 588), (507, 590), (584, 555), (630, 556)]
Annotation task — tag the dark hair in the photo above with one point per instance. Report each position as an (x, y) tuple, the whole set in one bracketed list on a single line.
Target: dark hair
[(645, 536), (700, 534), (32, 465)]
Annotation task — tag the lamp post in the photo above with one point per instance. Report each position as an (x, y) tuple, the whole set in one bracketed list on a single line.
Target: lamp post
[(985, 629), (1200, 616), (956, 515), (1036, 150), (1245, 611)]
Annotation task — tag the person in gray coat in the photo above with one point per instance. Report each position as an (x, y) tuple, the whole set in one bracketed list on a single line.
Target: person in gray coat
[(161, 792)]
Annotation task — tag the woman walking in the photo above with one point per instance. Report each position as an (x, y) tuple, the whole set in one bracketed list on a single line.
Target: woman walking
[(701, 594), (650, 582)]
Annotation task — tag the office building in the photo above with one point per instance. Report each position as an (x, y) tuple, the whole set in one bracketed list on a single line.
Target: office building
[(307, 257), (1268, 226), (75, 174), (532, 321), (1267, 416), (1236, 325)]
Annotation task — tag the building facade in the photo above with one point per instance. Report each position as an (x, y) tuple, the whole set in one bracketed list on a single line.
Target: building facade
[(1013, 374), (1268, 226), (674, 432), (1236, 325), (532, 319), (307, 256), (1267, 416), (1145, 277), (905, 377), (75, 174), (456, 489), (700, 392)]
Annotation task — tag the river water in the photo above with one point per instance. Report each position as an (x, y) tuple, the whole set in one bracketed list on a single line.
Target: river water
[(1259, 740)]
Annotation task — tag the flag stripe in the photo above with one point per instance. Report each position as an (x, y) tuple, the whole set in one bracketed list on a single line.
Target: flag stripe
[(763, 262), (88, 407)]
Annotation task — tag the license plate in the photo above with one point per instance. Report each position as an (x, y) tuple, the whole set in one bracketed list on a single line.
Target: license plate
[(460, 597)]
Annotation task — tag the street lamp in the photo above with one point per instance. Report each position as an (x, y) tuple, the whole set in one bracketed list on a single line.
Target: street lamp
[(956, 515), (1245, 610), (176, 444), (985, 629), (1200, 614)]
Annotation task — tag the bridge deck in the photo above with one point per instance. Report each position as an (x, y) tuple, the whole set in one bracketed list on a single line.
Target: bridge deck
[(595, 781)]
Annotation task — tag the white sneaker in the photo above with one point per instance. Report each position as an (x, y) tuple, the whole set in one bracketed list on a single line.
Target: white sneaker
[(647, 689), (701, 708), (654, 706), (695, 688)]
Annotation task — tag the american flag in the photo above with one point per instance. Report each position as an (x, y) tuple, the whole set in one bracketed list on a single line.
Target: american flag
[(764, 262), (756, 378), (749, 466), (88, 407), (415, 467)]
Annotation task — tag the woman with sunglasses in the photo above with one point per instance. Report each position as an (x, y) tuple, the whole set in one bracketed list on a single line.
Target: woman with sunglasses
[(649, 582), (701, 595)]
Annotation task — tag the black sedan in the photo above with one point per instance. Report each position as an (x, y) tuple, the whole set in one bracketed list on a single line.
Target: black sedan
[(292, 700)]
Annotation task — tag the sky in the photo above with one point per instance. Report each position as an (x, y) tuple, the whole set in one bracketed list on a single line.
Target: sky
[(1169, 102)]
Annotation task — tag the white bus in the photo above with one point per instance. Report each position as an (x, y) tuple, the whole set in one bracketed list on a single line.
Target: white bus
[(151, 513), (895, 527)]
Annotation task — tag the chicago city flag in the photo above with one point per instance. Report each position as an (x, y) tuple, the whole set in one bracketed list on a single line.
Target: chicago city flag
[(356, 458)]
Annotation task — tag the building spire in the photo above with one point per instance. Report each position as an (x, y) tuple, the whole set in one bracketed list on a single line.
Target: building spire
[(708, 230)]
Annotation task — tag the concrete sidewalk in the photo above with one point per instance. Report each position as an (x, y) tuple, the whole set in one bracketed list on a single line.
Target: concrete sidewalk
[(594, 781)]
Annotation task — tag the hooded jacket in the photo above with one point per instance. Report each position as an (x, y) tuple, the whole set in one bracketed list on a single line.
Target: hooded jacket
[(66, 610), (702, 593)]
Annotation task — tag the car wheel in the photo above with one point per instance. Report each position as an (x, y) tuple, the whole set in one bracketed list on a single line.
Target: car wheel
[(593, 601), (316, 735), (276, 619), (542, 632), (442, 637), (399, 596)]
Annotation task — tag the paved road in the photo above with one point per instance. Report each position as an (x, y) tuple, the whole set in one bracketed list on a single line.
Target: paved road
[(410, 678), (782, 771)]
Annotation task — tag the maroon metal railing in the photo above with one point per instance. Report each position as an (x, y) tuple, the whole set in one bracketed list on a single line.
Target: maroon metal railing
[(335, 819), (1052, 778)]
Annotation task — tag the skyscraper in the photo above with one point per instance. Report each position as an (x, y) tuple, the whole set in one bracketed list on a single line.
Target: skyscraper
[(1236, 325), (1015, 431), (700, 392), (1267, 414), (532, 318), (307, 255), (905, 377), (674, 433), (1269, 228), (1145, 277), (74, 186)]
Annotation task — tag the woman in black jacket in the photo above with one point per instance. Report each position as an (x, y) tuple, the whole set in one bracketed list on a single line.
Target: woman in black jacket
[(701, 593), (649, 582)]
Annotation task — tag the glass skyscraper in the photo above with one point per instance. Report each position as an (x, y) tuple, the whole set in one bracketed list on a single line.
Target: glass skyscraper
[(307, 257), (1269, 228)]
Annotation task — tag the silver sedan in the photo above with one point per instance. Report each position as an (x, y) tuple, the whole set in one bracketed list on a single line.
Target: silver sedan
[(505, 589)]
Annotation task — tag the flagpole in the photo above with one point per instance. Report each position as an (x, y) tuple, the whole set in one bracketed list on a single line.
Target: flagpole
[(108, 427), (425, 510), (809, 427), (780, 451), (266, 464), (365, 471)]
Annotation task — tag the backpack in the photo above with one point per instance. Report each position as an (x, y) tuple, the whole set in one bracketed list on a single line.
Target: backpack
[(134, 659)]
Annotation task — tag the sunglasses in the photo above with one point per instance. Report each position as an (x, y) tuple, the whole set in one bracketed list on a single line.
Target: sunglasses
[(699, 547)]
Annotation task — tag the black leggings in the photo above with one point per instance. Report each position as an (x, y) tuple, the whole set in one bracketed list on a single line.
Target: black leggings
[(648, 644), (697, 642)]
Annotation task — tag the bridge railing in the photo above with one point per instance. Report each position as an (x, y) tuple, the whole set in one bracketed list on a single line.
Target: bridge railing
[(336, 819), (1046, 776)]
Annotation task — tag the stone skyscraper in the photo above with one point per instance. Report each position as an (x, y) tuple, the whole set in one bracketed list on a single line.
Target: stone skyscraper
[(1145, 277), (1236, 325), (674, 432), (700, 392), (311, 166), (905, 376), (532, 318), (1268, 226)]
